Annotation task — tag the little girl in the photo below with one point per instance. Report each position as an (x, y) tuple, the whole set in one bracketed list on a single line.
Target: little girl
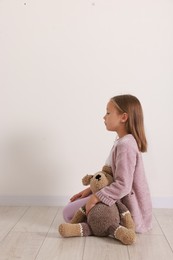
[(124, 116)]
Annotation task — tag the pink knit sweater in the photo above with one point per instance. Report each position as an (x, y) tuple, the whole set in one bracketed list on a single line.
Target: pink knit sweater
[(130, 184)]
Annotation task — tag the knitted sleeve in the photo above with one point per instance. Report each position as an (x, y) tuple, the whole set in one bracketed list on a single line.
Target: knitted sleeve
[(124, 161)]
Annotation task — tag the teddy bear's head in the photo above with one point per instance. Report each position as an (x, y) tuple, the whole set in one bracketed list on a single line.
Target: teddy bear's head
[(99, 180)]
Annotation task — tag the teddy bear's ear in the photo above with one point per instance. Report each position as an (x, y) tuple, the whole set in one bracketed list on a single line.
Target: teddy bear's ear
[(107, 169), (86, 179)]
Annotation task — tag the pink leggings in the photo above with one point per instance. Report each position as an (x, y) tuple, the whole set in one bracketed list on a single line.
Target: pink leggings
[(72, 207)]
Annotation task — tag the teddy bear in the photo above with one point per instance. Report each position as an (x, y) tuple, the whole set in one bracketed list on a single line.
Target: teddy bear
[(102, 220)]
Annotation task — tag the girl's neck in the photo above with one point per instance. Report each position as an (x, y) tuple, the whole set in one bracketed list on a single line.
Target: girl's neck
[(122, 134)]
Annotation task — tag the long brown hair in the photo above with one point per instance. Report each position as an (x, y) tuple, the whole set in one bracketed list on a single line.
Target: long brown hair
[(135, 123)]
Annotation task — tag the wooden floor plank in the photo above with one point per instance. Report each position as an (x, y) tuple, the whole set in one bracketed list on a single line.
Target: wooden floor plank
[(104, 249), (37, 219), (149, 247), (20, 245), (62, 248), (9, 216), (165, 220), (156, 230)]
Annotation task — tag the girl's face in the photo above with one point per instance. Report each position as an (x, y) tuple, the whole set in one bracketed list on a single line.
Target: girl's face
[(114, 120)]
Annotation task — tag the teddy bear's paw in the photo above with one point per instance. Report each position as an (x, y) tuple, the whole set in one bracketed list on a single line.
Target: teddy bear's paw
[(70, 230), (126, 236)]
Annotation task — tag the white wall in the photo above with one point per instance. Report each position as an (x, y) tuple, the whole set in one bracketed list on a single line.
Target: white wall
[(60, 62)]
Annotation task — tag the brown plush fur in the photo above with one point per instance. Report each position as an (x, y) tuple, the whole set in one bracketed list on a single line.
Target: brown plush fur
[(102, 220)]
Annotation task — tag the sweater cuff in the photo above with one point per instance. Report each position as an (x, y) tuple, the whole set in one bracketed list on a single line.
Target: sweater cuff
[(106, 200)]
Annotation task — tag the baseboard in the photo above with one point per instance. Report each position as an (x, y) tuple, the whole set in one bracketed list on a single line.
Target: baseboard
[(33, 200), (158, 202)]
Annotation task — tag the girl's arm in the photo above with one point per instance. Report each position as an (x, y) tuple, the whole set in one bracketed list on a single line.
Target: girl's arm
[(123, 176), (82, 194), (93, 200)]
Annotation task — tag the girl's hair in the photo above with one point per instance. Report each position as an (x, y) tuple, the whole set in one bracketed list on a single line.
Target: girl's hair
[(135, 123)]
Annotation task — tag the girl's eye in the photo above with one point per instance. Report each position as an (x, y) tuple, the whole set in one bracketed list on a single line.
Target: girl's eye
[(108, 113)]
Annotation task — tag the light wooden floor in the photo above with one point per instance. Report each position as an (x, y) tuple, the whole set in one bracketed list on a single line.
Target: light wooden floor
[(29, 233)]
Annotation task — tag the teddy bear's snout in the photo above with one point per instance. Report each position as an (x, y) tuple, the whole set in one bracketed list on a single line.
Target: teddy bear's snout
[(98, 177)]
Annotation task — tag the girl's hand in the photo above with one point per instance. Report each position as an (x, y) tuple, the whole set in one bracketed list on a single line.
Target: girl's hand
[(93, 200), (82, 194)]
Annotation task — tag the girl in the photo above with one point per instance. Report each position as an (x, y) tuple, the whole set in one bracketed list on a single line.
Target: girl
[(124, 116)]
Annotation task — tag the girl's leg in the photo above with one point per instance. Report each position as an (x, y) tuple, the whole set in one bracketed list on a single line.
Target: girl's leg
[(72, 207)]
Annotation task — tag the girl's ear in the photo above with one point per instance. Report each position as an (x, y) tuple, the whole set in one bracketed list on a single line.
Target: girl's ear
[(124, 117)]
